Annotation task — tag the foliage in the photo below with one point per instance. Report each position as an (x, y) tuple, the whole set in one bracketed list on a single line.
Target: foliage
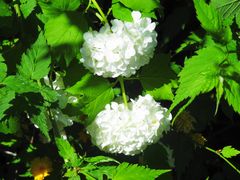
[(47, 97)]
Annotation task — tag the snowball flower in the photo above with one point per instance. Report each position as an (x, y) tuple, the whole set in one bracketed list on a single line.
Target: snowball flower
[(118, 129), (121, 49)]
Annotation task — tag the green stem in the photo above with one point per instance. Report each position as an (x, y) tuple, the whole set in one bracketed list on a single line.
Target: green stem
[(217, 153), (123, 91), (88, 6), (104, 19)]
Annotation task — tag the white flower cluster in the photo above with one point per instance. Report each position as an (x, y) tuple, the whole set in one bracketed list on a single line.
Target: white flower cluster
[(121, 49), (118, 129)]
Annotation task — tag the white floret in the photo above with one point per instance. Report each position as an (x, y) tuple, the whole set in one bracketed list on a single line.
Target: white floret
[(118, 129), (119, 50)]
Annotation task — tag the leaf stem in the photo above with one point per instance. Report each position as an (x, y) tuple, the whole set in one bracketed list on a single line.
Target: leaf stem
[(123, 91), (227, 161), (103, 19)]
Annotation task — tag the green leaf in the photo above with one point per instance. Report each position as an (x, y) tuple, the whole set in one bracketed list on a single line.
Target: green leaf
[(10, 126), (162, 93), (96, 92), (49, 94), (229, 151), (6, 96), (145, 6), (231, 90), (5, 9), (227, 8), (98, 104), (64, 34), (35, 63), (121, 12), (21, 85), (3, 69), (67, 152), (40, 120), (132, 172), (208, 16), (72, 174), (27, 6), (155, 77), (53, 8), (200, 74)]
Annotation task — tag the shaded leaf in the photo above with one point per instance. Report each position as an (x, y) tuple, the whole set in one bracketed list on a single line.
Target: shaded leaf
[(64, 34), (95, 93), (9, 126), (5, 9), (56, 7), (3, 68), (35, 63), (6, 96)]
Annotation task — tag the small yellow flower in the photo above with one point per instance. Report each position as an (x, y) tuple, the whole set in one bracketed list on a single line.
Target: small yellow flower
[(40, 168)]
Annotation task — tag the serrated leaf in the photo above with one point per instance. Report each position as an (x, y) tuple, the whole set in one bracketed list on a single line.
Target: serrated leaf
[(229, 152), (64, 34), (232, 95), (200, 74), (35, 63), (67, 152), (231, 81), (6, 96), (27, 6), (96, 92), (227, 8), (121, 12), (3, 68), (145, 6), (21, 85), (49, 94), (132, 172), (40, 120), (208, 16)]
